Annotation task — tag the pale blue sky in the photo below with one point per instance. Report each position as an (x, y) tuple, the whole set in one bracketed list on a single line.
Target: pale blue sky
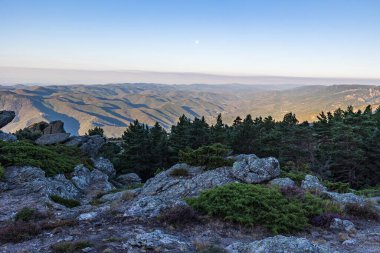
[(319, 38)]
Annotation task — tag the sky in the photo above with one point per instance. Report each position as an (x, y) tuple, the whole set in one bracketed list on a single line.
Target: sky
[(305, 38)]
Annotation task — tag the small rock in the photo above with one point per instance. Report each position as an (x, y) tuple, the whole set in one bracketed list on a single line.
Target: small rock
[(345, 198), (87, 249), (7, 137), (50, 139), (105, 166), (339, 224), (283, 182), (343, 236), (312, 183), (87, 216), (349, 242), (128, 179)]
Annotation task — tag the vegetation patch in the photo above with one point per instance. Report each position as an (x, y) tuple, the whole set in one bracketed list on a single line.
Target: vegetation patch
[(209, 248), (52, 159), (2, 172), (212, 156), (70, 203), (29, 214), (324, 220), (179, 215), (337, 186), (69, 247), (179, 173), (364, 212), (260, 205)]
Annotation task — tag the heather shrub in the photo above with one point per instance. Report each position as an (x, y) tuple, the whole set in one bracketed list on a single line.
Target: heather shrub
[(70, 203), (29, 214), (52, 159), (364, 212), (69, 247), (260, 205), (179, 215), (324, 220), (179, 173), (212, 156), (18, 231)]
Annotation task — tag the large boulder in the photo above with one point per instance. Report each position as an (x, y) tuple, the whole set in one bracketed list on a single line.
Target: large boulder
[(54, 127), (28, 187), (50, 139), (105, 166), (128, 179), (6, 117), (165, 190), (345, 198), (251, 169), (7, 137), (277, 244), (312, 183), (88, 144), (91, 182)]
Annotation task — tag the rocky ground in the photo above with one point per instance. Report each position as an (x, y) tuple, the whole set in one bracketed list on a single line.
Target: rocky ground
[(109, 213)]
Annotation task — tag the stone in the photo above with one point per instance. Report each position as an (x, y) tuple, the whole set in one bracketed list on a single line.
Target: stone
[(158, 242), (7, 137), (129, 179), (50, 139), (92, 145), (6, 117), (277, 244), (283, 182), (105, 166), (87, 216), (312, 183), (253, 170), (349, 242), (344, 225), (345, 198)]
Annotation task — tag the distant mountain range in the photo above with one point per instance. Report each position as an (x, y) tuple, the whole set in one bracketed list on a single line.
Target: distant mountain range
[(114, 106)]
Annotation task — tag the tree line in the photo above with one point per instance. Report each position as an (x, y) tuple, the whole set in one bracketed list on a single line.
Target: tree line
[(342, 146)]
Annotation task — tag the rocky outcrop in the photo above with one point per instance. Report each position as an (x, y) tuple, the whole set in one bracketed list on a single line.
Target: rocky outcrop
[(7, 137), (54, 127), (345, 198), (90, 182), (88, 144), (343, 225), (165, 190), (251, 169), (283, 182), (277, 244), (312, 183), (105, 166), (50, 139), (128, 179), (6, 117), (157, 241)]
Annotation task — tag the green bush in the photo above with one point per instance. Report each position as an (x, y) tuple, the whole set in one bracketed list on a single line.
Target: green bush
[(296, 176), (69, 247), (25, 214), (260, 205), (70, 203), (2, 172), (52, 159), (337, 186), (27, 134), (96, 131), (212, 156), (369, 192)]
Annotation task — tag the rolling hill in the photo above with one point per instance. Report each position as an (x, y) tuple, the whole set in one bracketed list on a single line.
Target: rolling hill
[(114, 106)]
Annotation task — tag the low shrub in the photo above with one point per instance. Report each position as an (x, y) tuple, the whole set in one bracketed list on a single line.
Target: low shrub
[(179, 215), (70, 203), (179, 173), (364, 212), (29, 214), (369, 192), (292, 192), (324, 220), (95, 131), (27, 134), (52, 159), (260, 205), (69, 247), (337, 186), (18, 231), (2, 172), (209, 248), (213, 156), (296, 176)]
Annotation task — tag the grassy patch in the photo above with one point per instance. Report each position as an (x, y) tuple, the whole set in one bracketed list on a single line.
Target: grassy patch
[(260, 205), (70, 203)]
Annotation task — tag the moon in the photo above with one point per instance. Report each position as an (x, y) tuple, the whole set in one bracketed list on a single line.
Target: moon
[(196, 42)]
